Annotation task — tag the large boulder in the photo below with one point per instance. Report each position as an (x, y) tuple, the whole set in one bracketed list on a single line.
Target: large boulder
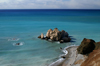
[(97, 45), (87, 46)]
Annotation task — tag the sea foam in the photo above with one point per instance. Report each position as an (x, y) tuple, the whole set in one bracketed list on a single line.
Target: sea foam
[(60, 60), (20, 44), (13, 39)]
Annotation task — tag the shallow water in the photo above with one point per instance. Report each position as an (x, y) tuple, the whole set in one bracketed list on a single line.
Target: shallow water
[(23, 26)]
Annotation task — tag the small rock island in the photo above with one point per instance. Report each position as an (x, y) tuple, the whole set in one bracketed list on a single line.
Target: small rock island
[(56, 35)]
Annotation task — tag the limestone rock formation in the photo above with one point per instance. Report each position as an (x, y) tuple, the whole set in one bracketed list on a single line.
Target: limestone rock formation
[(56, 35), (49, 33), (87, 46)]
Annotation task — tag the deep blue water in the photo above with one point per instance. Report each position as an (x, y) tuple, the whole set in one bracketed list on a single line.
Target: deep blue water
[(24, 26)]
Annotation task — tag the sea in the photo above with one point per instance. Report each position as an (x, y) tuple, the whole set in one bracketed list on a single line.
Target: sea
[(25, 25)]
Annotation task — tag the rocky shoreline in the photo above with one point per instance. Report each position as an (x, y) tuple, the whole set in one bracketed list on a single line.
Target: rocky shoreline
[(86, 54)]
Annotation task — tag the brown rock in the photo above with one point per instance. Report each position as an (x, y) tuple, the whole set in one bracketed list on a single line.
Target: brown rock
[(56, 30), (55, 36), (48, 33), (87, 46), (39, 36), (93, 59), (97, 45)]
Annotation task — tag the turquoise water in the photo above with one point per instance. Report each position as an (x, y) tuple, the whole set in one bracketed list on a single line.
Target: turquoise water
[(24, 26)]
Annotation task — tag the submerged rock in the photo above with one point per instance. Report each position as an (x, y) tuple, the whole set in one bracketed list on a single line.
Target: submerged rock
[(17, 43), (87, 46)]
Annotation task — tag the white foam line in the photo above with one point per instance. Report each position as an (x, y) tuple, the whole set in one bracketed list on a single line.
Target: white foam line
[(12, 39), (56, 63), (21, 43)]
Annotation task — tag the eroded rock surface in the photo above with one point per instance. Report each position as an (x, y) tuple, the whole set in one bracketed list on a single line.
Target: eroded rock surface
[(93, 59), (56, 35), (87, 46)]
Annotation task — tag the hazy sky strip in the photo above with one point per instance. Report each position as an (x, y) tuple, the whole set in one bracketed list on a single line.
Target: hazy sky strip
[(49, 4)]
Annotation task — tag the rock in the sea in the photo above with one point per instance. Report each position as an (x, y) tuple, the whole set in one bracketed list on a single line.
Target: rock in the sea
[(55, 35), (97, 45), (17, 43), (49, 33), (64, 34), (87, 46), (56, 30), (39, 36), (61, 41), (42, 36)]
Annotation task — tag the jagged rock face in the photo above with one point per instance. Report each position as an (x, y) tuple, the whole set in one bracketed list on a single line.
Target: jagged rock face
[(55, 30), (97, 45), (87, 46), (49, 32), (42, 36), (55, 36), (93, 59), (64, 34)]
